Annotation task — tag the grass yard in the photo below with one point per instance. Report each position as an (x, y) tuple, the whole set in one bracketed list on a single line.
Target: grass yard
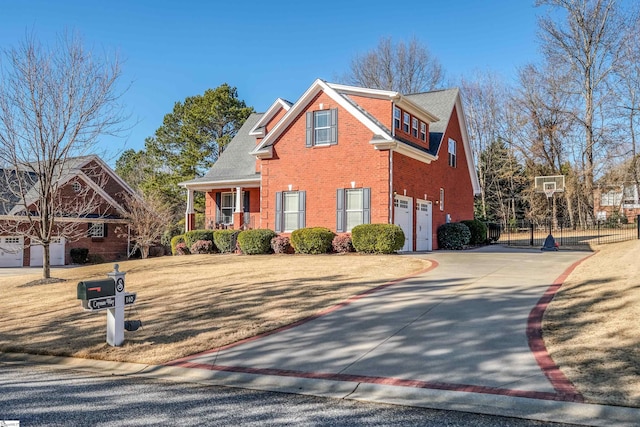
[(592, 329), (187, 304)]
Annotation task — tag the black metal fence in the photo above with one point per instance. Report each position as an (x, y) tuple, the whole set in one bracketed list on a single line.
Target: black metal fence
[(527, 233)]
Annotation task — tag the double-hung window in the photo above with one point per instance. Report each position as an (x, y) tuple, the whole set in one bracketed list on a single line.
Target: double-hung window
[(414, 127), (353, 208), (452, 153), (290, 211), (423, 131), (405, 122), (227, 207), (322, 127), (396, 117)]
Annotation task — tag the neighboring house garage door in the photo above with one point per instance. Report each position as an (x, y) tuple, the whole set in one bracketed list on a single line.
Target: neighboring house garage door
[(11, 251), (56, 253)]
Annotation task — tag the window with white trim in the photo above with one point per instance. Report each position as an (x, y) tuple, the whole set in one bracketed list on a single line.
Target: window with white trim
[(290, 211), (12, 240), (406, 120), (452, 153), (227, 208), (442, 199), (96, 230), (76, 187), (353, 208), (322, 127), (414, 127), (423, 131), (396, 117)]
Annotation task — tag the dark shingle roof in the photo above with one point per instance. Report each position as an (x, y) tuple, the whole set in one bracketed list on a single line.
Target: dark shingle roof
[(439, 103), (9, 189), (235, 162)]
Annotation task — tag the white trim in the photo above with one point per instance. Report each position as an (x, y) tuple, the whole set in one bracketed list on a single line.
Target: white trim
[(258, 128), (24, 218), (317, 87), (404, 149), (217, 184)]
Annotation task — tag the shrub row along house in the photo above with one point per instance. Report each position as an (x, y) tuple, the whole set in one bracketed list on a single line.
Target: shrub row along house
[(341, 156), (88, 209)]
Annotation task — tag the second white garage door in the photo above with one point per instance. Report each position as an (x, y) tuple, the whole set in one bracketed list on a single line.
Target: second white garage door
[(56, 253)]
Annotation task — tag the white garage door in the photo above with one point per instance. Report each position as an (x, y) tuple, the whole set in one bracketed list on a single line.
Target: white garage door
[(402, 216), (11, 251), (56, 253), (424, 227)]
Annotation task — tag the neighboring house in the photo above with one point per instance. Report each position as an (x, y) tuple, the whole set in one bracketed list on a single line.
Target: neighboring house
[(103, 230), (622, 199), (341, 156)]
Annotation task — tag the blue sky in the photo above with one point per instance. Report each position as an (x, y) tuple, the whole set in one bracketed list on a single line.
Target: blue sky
[(175, 49)]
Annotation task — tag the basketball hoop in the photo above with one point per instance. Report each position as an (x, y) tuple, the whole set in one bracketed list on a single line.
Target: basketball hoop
[(548, 189)]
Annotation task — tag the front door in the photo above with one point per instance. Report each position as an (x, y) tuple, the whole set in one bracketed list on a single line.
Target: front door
[(402, 209), (424, 227)]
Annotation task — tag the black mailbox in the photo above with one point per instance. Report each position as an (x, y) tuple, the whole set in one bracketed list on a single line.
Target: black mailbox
[(91, 289)]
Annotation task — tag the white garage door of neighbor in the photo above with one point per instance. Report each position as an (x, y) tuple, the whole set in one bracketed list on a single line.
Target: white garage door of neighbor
[(424, 227), (56, 253), (11, 251), (402, 216)]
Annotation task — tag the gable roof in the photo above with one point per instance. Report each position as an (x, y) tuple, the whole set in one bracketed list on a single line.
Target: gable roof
[(234, 165), (258, 129), (442, 103), (71, 168)]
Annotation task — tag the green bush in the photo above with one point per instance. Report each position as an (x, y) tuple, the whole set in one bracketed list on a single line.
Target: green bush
[(313, 240), (256, 242), (377, 238), (174, 242), (79, 255), (478, 231), (190, 237), (453, 235), (225, 240)]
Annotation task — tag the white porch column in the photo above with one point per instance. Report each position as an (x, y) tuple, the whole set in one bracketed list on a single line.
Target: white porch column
[(190, 211), (239, 207)]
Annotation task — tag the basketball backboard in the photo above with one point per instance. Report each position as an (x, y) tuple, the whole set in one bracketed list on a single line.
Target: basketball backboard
[(549, 184)]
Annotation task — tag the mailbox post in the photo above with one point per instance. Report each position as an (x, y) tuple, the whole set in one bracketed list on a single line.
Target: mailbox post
[(115, 315), (108, 294)]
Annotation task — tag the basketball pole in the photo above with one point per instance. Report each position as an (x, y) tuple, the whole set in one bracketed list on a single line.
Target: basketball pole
[(549, 242)]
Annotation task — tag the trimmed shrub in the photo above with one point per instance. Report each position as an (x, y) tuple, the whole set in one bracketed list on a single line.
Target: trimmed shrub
[(190, 237), (182, 249), (256, 242), (281, 245), (79, 255), (478, 231), (174, 242), (454, 235), (312, 240), (377, 238), (156, 251), (201, 247), (226, 240), (95, 259), (342, 244)]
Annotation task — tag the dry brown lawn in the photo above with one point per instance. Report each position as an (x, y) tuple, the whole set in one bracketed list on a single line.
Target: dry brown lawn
[(187, 304), (592, 327)]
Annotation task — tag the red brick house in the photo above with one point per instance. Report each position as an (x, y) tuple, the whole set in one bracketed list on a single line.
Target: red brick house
[(342, 156), (103, 230)]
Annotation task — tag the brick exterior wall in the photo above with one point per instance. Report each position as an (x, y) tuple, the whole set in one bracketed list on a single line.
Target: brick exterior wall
[(320, 171)]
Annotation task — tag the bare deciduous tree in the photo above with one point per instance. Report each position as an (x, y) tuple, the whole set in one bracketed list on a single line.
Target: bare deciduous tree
[(586, 45), (55, 101), (402, 67), (149, 217)]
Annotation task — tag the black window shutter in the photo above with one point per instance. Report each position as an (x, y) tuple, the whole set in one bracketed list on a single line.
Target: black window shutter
[(278, 225), (309, 142), (340, 220), (301, 209), (246, 202), (105, 228), (334, 126), (366, 205), (89, 225), (218, 211)]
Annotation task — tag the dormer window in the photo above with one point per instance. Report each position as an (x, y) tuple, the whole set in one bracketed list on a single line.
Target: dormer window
[(396, 117), (423, 131), (405, 122), (414, 127)]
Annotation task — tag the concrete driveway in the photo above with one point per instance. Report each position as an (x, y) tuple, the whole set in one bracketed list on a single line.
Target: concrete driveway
[(466, 325)]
